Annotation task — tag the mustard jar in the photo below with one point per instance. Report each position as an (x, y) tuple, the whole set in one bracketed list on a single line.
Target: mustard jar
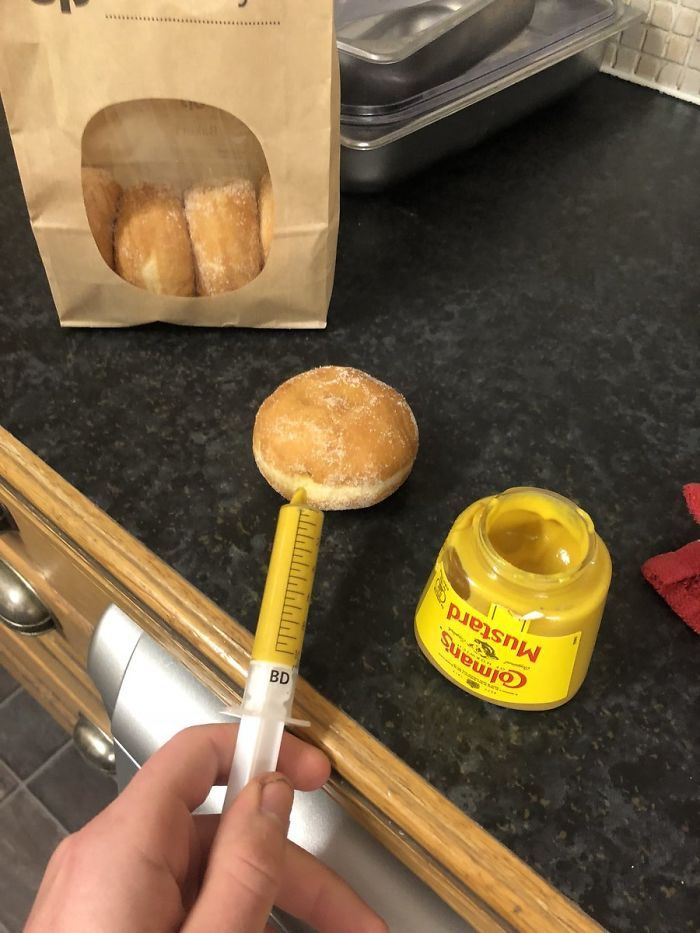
[(512, 608)]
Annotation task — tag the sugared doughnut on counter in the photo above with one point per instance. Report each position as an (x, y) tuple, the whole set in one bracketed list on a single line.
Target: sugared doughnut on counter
[(348, 439)]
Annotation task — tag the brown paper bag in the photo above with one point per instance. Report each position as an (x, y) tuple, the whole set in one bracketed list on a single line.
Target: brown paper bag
[(185, 95)]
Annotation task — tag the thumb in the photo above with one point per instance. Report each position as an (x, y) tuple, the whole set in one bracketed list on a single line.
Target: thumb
[(246, 860)]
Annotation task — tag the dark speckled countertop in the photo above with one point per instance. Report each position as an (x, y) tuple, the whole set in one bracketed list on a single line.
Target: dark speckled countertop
[(537, 300)]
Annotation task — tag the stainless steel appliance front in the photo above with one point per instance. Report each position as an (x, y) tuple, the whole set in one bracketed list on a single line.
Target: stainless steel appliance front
[(150, 696)]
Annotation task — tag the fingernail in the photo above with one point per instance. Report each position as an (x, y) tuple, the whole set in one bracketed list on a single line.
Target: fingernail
[(276, 797)]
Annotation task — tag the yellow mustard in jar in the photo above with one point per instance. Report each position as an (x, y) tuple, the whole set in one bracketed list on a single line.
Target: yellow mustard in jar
[(512, 608)]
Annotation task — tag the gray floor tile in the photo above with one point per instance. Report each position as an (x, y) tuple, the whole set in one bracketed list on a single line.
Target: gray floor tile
[(7, 683), (28, 836), (8, 782), (72, 790), (28, 735)]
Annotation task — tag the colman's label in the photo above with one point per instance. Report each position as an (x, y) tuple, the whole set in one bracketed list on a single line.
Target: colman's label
[(493, 655)]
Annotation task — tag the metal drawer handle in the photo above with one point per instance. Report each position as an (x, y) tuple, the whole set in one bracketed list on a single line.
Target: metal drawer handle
[(94, 745), (20, 607)]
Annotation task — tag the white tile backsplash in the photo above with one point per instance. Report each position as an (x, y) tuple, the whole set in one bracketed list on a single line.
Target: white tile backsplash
[(663, 51)]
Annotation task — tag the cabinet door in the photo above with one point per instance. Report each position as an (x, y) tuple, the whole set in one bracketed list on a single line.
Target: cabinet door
[(48, 609), (53, 677)]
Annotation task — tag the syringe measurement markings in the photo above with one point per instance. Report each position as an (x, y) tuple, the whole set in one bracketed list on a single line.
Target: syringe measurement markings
[(298, 590), (284, 641), (295, 602), (308, 532), (292, 620), (286, 590), (297, 599), (294, 609)]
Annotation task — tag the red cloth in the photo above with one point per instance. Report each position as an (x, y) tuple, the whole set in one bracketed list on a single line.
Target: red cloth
[(676, 576), (692, 497)]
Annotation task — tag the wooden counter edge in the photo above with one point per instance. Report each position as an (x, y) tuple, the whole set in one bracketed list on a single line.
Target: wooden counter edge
[(202, 635)]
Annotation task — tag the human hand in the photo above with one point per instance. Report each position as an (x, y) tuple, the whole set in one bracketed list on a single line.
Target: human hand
[(147, 863)]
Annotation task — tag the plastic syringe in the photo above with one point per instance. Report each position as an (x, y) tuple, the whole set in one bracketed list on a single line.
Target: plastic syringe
[(269, 691)]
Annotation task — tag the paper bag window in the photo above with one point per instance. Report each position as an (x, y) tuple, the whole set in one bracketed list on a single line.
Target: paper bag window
[(178, 196)]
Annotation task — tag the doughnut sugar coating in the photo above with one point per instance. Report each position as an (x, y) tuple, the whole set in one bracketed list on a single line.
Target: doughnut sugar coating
[(151, 242), (343, 436), (266, 209), (225, 233)]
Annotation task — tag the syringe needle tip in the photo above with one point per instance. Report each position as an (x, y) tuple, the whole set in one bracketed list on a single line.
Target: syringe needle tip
[(299, 497)]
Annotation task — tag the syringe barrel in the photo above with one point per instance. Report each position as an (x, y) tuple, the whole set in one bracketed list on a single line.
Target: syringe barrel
[(267, 705), (285, 604), (269, 693)]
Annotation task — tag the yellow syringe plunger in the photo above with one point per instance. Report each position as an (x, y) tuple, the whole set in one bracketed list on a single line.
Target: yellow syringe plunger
[(285, 604)]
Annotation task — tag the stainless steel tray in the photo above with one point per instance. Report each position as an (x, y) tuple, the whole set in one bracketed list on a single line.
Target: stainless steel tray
[(375, 155), (397, 53)]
